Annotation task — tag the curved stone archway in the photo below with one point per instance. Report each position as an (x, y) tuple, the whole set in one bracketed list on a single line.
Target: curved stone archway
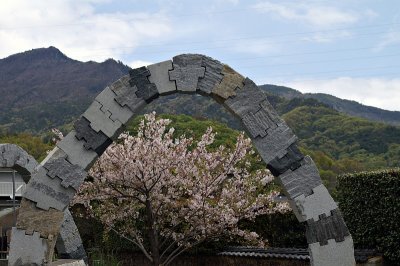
[(329, 240), (69, 243)]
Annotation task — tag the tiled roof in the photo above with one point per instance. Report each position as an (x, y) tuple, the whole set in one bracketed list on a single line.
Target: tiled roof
[(361, 255)]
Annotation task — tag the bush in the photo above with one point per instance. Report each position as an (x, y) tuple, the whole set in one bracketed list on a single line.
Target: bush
[(370, 205)]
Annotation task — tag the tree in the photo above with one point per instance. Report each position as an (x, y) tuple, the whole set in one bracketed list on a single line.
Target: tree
[(166, 195)]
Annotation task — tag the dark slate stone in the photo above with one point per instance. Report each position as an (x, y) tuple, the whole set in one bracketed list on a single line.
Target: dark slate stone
[(96, 141), (258, 123), (327, 227), (70, 174), (184, 60), (186, 77), (302, 180), (126, 96), (274, 143), (291, 160), (145, 90), (246, 100), (212, 76)]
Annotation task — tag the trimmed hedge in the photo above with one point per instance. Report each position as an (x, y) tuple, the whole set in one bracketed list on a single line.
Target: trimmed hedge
[(370, 203)]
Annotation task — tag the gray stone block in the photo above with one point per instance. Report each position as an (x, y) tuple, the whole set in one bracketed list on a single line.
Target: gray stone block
[(101, 121), (48, 192), (107, 99), (139, 79), (96, 141), (187, 77), (333, 254), (13, 156), (184, 60), (26, 249), (257, 123), (327, 227), (312, 206), (246, 100), (301, 181), (275, 143), (71, 175), (291, 160), (76, 153), (69, 243), (159, 76), (126, 96), (212, 76)]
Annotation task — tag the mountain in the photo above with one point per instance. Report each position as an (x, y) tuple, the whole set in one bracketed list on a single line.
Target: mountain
[(352, 108), (42, 87)]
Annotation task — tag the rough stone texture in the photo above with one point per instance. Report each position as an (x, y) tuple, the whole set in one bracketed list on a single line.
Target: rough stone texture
[(96, 141), (101, 121), (69, 243), (187, 71), (320, 202), (275, 143), (257, 123), (327, 227), (27, 249), (76, 153), (13, 156), (71, 175), (145, 90), (333, 254), (301, 181), (47, 192), (186, 78), (126, 95), (212, 76), (119, 113), (30, 218), (55, 153), (230, 82), (246, 100), (291, 160), (159, 76)]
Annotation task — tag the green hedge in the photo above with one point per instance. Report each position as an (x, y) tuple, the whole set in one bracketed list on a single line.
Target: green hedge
[(370, 203)]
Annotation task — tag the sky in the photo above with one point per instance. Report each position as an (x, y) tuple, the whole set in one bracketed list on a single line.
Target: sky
[(346, 48)]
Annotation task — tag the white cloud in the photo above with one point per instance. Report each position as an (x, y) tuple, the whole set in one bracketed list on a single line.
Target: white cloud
[(313, 14), (257, 47), (379, 92), (390, 38), (76, 28), (139, 63)]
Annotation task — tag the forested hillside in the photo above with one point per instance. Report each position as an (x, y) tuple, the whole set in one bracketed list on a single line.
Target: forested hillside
[(45, 89)]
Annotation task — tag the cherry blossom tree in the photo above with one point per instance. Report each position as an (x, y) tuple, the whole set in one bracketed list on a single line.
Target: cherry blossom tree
[(167, 194)]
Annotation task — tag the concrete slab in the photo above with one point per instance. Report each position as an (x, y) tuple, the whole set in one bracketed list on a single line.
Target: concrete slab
[(27, 249), (107, 99), (100, 121), (75, 151), (159, 76), (333, 254)]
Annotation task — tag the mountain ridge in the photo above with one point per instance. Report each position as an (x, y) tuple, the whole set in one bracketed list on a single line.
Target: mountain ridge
[(349, 107)]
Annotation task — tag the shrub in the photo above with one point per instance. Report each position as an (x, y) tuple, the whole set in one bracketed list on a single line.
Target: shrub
[(370, 205)]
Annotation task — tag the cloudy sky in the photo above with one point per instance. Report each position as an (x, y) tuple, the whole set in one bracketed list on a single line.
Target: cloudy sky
[(347, 48)]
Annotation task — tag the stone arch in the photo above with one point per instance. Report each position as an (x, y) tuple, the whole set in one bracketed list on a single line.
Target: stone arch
[(69, 243), (330, 242)]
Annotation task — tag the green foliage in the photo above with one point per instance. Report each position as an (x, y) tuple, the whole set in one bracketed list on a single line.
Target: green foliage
[(358, 142), (31, 144), (370, 205), (103, 258)]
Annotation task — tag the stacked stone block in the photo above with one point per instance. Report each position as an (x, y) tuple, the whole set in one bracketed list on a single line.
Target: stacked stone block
[(30, 226), (53, 186)]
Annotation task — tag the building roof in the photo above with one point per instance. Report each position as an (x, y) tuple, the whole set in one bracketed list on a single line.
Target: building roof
[(361, 255)]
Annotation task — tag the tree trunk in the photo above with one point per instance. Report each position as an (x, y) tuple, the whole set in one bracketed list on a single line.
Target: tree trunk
[(153, 236)]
